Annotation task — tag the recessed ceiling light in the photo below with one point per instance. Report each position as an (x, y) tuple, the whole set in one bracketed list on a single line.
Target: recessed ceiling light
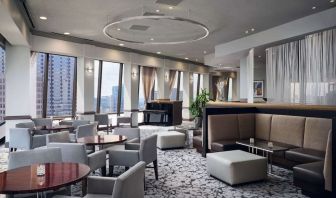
[(121, 44), (171, 7), (332, 1), (314, 7), (43, 18), (186, 58), (152, 39), (118, 29), (259, 56), (246, 32), (157, 10), (205, 52), (252, 29), (66, 33), (158, 52)]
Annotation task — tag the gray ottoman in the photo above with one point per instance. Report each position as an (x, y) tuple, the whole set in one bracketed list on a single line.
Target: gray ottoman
[(236, 167), (170, 139)]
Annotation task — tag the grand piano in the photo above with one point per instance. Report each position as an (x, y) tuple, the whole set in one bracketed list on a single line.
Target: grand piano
[(163, 112)]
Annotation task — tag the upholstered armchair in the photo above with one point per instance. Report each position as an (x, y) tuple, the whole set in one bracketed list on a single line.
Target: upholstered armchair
[(76, 152), (22, 138), (83, 131), (42, 122), (130, 184), (103, 119), (134, 152), (60, 137)]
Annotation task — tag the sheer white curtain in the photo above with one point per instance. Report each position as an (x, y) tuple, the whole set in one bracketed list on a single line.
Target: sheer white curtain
[(303, 71)]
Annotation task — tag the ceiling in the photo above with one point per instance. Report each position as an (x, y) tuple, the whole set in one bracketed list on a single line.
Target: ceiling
[(227, 20)]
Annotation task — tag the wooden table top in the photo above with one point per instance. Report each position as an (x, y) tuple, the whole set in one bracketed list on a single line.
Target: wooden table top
[(57, 175), (102, 139), (54, 128)]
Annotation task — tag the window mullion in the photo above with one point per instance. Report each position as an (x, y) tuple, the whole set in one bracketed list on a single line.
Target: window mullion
[(120, 88), (45, 87), (74, 91), (99, 85)]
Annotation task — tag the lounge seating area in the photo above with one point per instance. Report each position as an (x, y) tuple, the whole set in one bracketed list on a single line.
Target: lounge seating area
[(167, 98)]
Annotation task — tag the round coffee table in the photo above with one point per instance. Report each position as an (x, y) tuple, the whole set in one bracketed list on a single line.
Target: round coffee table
[(54, 128), (99, 140), (25, 179)]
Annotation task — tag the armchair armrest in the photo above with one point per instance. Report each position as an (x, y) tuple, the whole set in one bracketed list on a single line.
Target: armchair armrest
[(39, 141), (134, 140), (100, 185), (132, 146), (126, 158), (97, 160)]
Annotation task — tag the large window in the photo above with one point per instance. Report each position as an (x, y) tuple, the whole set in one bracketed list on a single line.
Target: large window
[(2, 83), (56, 96), (108, 78)]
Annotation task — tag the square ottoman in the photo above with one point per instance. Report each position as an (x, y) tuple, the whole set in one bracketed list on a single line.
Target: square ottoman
[(237, 167), (170, 139)]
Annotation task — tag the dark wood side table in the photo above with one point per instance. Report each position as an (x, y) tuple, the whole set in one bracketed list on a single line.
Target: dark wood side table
[(57, 175)]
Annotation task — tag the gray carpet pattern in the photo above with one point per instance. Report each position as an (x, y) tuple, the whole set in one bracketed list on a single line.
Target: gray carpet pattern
[(182, 174)]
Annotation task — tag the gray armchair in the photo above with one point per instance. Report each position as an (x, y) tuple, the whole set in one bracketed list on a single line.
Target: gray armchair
[(128, 185), (42, 122), (77, 123), (83, 131), (103, 119), (76, 152), (134, 152), (125, 120), (132, 134), (22, 138), (31, 126), (26, 158), (61, 137)]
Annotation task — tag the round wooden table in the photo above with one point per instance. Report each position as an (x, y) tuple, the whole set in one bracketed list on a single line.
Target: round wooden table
[(99, 140), (25, 179)]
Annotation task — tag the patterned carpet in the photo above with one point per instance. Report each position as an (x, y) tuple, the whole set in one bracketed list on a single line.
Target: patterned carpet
[(182, 174)]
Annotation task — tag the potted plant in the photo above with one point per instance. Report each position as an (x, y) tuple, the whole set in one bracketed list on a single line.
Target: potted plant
[(196, 107)]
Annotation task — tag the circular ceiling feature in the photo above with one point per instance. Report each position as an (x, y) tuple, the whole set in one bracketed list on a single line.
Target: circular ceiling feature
[(165, 30)]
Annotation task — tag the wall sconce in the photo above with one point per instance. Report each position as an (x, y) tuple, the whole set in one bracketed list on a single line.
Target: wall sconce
[(134, 74), (89, 69), (166, 76)]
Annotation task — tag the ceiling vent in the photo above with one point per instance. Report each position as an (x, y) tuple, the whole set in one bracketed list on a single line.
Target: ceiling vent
[(169, 2), (139, 27)]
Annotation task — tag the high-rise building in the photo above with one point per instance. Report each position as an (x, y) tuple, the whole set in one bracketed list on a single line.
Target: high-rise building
[(2, 83)]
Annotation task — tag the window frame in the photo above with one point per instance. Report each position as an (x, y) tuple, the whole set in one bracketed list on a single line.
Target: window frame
[(99, 86), (45, 86)]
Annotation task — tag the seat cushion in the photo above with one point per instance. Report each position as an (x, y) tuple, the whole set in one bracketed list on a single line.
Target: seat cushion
[(171, 139), (224, 145), (303, 155), (263, 126), (316, 133), (288, 129), (309, 175), (222, 127)]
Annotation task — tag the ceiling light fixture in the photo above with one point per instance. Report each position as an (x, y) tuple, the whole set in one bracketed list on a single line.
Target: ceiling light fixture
[(118, 29), (205, 52), (259, 56), (186, 58), (314, 7), (152, 39), (66, 33), (43, 18), (204, 28), (332, 1), (158, 52), (252, 29), (121, 44), (157, 10), (246, 32)]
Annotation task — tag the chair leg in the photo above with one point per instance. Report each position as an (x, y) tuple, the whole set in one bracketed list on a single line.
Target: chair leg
[(84, 187), (126, 168), (111, 170), (103, 171), (156, 169)]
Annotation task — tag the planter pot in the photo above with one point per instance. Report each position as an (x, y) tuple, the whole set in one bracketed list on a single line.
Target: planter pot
[(198, 122)]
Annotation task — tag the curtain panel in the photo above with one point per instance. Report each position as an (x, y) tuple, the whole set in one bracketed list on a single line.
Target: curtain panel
[(171, 80), (303, 71), (148, 78)]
